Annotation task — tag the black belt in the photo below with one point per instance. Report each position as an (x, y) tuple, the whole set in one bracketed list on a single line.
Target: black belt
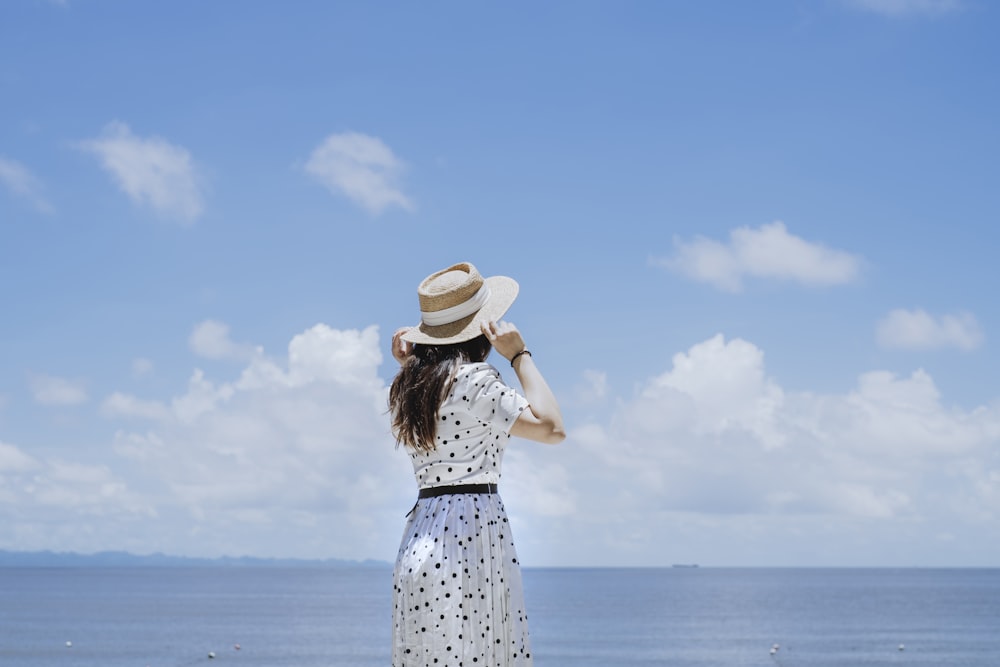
[(432, 491)]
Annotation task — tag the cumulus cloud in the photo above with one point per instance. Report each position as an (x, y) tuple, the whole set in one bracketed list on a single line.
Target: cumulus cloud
[(20, 182), (767, 252), (714, 435), (210, 339), (13, 459), (124, 405), (48, 503), (543, 488), (291, 455), (151, 171), (84, 487), (50, 390), (919, 330), (299, 445), (721, 386), (902, 8), (362, 168)]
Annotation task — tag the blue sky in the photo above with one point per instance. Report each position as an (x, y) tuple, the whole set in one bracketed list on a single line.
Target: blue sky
[(755, 241)]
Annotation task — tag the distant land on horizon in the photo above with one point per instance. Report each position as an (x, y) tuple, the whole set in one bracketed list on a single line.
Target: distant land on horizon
[(126, 559), (40, 559)]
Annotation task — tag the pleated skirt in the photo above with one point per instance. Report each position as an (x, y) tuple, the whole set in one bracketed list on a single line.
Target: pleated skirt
[(458, 596)]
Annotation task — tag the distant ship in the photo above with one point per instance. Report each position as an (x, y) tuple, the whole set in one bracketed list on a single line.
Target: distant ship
[(685, 565)]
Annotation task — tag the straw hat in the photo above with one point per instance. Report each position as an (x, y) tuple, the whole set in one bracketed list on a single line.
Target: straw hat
[(456, 301)]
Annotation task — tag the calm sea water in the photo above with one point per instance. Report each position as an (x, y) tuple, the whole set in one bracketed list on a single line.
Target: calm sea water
[(703, 617)]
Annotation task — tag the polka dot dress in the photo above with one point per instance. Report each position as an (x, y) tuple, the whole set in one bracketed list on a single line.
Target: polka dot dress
[(458, 600)]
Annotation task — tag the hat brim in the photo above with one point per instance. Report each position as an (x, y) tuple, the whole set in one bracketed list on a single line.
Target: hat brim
[(503, 291)]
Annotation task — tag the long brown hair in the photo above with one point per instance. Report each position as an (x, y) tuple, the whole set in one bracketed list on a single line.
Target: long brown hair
[(419, 388)]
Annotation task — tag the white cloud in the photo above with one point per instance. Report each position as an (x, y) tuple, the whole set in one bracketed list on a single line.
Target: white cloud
[(544, 488), (322, 354), (917, 329), (49, 390), (142, 367), (900, 8), (124, 405), (897, 417), (57, 504), (360, 167), (81, 489), (767, 252), (594, 387), (721, 386), (203, 396), (139, 446), (210, 339), (13, 459), (150, 171), (20, 182), (296, 449), (290, 445), (709, 459), (714, 436), (713, 460)]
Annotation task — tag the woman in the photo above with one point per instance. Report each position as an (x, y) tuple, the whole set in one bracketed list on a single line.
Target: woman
[(457, 583)]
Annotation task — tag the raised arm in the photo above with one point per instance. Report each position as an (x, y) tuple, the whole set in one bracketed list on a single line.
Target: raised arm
[(542, 420)]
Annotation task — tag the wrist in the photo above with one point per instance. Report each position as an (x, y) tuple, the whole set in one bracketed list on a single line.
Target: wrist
[(519, 355)]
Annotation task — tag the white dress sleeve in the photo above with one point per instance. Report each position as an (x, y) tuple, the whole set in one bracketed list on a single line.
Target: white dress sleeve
[(490, 399)]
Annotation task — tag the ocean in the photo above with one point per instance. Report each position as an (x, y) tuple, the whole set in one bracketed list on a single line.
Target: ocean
[(341, 616)]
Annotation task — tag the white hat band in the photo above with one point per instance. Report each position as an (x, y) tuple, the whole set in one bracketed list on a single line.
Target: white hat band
[(453, 314)]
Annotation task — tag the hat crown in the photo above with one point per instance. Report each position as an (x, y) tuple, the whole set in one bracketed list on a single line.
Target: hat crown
[(449, 288), (455, 302)]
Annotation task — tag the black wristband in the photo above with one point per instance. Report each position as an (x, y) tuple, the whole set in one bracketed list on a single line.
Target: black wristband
[(514, 358)]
